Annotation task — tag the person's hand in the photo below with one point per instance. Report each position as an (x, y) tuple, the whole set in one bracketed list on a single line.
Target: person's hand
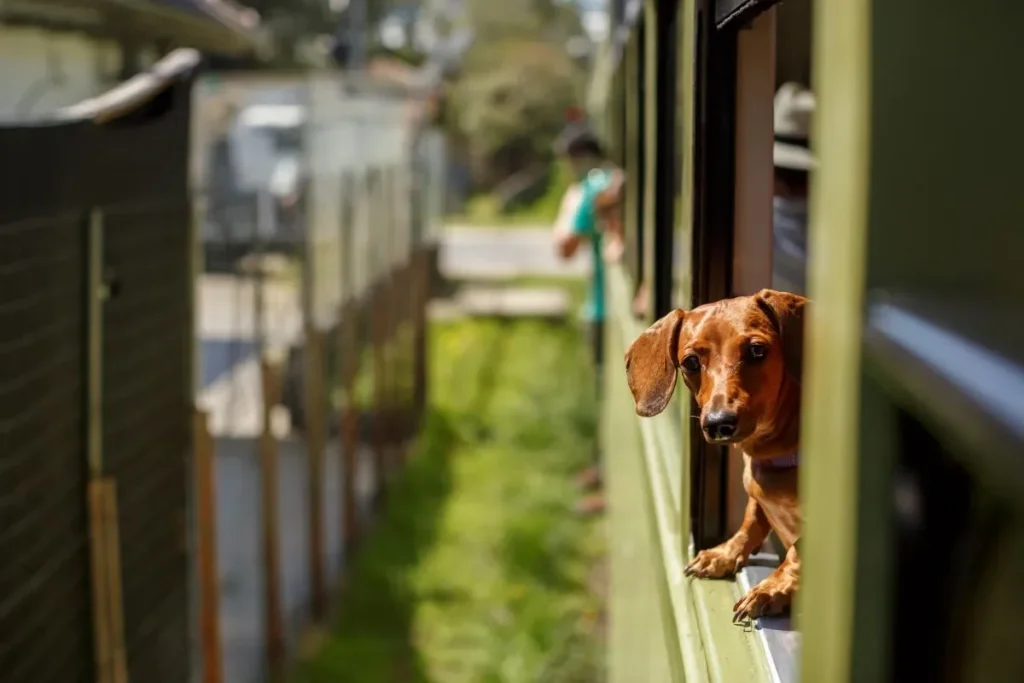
[(640, 301), (613, 248)]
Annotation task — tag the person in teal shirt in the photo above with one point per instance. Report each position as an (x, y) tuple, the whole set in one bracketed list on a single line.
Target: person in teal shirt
[(595, 176)]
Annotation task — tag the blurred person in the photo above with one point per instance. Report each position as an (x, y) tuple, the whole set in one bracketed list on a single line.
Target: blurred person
[(793, 161), (567, 211), (590, 216)]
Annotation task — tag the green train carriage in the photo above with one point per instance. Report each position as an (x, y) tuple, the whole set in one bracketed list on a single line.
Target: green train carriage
[(912, 483)]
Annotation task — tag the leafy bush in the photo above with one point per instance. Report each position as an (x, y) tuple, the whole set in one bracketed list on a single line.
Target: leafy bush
[(510, 103)]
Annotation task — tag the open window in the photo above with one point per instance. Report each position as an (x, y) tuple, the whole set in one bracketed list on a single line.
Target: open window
[(710, 227)]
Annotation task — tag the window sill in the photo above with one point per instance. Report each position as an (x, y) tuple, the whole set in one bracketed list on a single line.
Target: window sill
[(781, 642)]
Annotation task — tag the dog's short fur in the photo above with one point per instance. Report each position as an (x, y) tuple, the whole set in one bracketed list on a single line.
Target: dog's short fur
[(741, 359)]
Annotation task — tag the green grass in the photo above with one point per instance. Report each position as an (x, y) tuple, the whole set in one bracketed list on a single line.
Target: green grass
[(478, 571)]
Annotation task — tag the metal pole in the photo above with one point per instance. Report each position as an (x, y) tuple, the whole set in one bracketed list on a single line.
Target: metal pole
[(262, 229), (357, 26)]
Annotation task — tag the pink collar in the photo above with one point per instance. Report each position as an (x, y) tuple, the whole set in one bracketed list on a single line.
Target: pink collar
[(782, 462)]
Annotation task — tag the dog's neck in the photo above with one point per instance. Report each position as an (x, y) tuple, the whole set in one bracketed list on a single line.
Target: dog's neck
[(782, 438)]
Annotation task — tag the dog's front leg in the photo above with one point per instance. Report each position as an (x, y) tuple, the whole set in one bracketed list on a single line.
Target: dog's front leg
[(727, 559), (773, 595)]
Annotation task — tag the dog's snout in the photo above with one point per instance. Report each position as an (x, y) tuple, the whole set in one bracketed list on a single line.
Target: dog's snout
[(721, 425)]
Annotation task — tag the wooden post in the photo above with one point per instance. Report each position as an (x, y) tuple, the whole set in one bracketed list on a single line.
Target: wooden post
[(94, 449), (108, 605), (209, 575), (112, 531), (100, 588), (404, 339), (271, 384), (316, 443), (380, 383), (104, 540), (349, 436), (421, 289)]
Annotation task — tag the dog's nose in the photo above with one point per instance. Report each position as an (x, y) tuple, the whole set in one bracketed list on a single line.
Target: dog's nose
[(721, 425)]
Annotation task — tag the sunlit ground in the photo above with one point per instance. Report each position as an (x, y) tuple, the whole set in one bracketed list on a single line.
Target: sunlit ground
[(479, 571)]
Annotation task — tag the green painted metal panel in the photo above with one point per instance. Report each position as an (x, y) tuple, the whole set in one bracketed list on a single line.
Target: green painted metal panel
[(829, 475), (638, 649)]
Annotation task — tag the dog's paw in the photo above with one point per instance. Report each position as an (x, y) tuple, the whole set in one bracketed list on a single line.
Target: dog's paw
[(768, 598), (715, 563)]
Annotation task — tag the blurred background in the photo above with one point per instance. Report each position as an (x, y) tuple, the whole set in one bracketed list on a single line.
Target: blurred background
[(292, 384)]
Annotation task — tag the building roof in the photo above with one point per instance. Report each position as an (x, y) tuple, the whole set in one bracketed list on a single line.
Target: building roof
[(214, 26), (231, 14)]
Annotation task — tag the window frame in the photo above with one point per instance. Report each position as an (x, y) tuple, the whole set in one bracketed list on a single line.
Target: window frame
[(666, 185), (634, 155), (714, 180)]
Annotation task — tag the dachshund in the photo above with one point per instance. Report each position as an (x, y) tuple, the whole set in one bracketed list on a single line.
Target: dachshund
[(741, 358)]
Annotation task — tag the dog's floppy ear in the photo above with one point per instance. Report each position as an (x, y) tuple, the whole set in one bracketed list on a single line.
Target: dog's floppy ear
[(651, 364), (786, 312)]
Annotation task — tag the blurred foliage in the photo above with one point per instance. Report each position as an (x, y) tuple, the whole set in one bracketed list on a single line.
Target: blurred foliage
[(486, 210), (479, 570), (510, 103), (507, 100), (294, 23), (516, 83)]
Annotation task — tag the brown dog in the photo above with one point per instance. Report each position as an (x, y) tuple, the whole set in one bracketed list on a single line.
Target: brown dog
[(741, 358)]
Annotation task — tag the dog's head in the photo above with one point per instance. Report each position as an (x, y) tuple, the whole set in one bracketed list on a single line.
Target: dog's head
[(736, 356)]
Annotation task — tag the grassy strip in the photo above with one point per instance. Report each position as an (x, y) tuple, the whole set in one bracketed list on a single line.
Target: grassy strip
[(479, 571)]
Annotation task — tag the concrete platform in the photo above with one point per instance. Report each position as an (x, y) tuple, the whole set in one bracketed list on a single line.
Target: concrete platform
[(504, 302), (481, 253)]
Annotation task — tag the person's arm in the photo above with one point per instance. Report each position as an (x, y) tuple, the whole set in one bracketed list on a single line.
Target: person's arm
[(567, 210), (581, 226), (609, 204)]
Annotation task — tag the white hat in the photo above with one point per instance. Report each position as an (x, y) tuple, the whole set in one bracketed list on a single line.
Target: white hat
[(794, 109)]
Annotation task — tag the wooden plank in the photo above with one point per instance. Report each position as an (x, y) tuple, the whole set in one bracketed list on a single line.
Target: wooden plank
[(100, 587), (209, 576), (271, 384), (112, 549)]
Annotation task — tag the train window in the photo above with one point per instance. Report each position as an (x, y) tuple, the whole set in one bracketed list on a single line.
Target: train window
[(734, 181), (752, 195), (713, 175)]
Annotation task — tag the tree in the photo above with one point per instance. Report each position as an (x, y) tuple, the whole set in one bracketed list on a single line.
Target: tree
[(510, 104), (517, 81)]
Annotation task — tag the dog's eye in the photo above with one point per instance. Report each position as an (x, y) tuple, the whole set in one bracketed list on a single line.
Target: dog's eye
[(691, 364), (757, 351)]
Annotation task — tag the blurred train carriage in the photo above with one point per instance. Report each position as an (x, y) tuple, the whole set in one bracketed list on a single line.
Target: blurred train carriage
[(912, 484)]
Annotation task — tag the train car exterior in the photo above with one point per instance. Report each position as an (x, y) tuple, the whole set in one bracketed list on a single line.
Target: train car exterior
[(913, 418)]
